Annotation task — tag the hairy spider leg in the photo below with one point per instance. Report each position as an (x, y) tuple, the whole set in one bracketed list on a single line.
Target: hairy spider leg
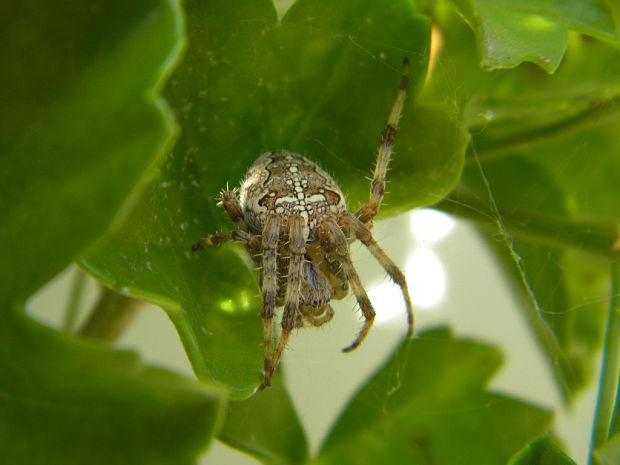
[(335, 240), (298, 236), (230, 202), (363, 234), (271, 233), (377, 188)]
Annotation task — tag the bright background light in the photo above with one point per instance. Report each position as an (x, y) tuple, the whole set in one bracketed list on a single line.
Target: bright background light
[(429, 226), (427, 278), (391, 299)]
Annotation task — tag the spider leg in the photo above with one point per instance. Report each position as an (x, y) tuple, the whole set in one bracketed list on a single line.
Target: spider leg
[(271, 233), (368, 211), (251, 242), (335, 240), (365, 237), (298, 235)]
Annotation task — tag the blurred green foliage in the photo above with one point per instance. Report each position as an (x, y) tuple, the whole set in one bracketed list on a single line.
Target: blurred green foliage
[(541, 451), (97, 167)]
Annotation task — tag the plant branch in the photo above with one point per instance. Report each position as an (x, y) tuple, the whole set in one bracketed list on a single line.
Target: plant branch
[(73, 303), (602, 426), (600, 239), (111, 316), (595, 113)]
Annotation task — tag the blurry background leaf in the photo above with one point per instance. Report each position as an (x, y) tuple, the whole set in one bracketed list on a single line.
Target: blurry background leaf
[(422, 407), (509, 32), (80, 123), (609, 454), (66, 401), (541, 451), (542, 142), (266, 426), (570, 287), (321, 83)]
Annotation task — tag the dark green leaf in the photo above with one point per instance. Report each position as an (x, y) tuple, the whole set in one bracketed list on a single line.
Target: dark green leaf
[(541, 451), (321, 83), (428, 405), (64, 401), (267, 427), (81, 122), (510, 32)]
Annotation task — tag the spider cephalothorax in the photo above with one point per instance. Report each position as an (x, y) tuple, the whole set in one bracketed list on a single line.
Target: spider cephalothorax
[(292, 217)]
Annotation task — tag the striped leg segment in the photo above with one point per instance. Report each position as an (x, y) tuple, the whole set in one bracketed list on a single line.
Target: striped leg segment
[(368, 211), (334, 240), (251, 242), (297, 247), (363, 234), (269, 287)]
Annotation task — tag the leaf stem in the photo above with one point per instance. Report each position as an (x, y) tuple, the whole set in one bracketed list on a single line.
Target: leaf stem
[(75, 298), (110, 316), (595, 113), (543, 229), (604, 412)]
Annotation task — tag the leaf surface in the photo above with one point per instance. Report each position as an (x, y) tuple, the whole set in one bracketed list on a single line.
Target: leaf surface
[(67, 401), (422, 407), (81, 122), (509, 32), (541, 451), (266, 426), (609, 453)]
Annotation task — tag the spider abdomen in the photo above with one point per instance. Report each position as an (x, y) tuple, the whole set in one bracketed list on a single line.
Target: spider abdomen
[(285, 183)]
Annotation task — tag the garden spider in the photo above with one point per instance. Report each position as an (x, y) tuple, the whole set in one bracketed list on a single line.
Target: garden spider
[(292, 217)]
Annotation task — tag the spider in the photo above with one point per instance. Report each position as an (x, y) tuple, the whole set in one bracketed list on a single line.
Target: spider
[(293, 219)]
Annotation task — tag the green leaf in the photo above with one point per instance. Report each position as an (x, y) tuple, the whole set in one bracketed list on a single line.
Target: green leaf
[(573, 127), (509, 32), (563, 292), (547, 148), (422, 407), (321, 82), (541, 451), (567, 197), (609, 453), (81, 122), (66, 401), (596, 155), (266, 427), (508, 107)]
